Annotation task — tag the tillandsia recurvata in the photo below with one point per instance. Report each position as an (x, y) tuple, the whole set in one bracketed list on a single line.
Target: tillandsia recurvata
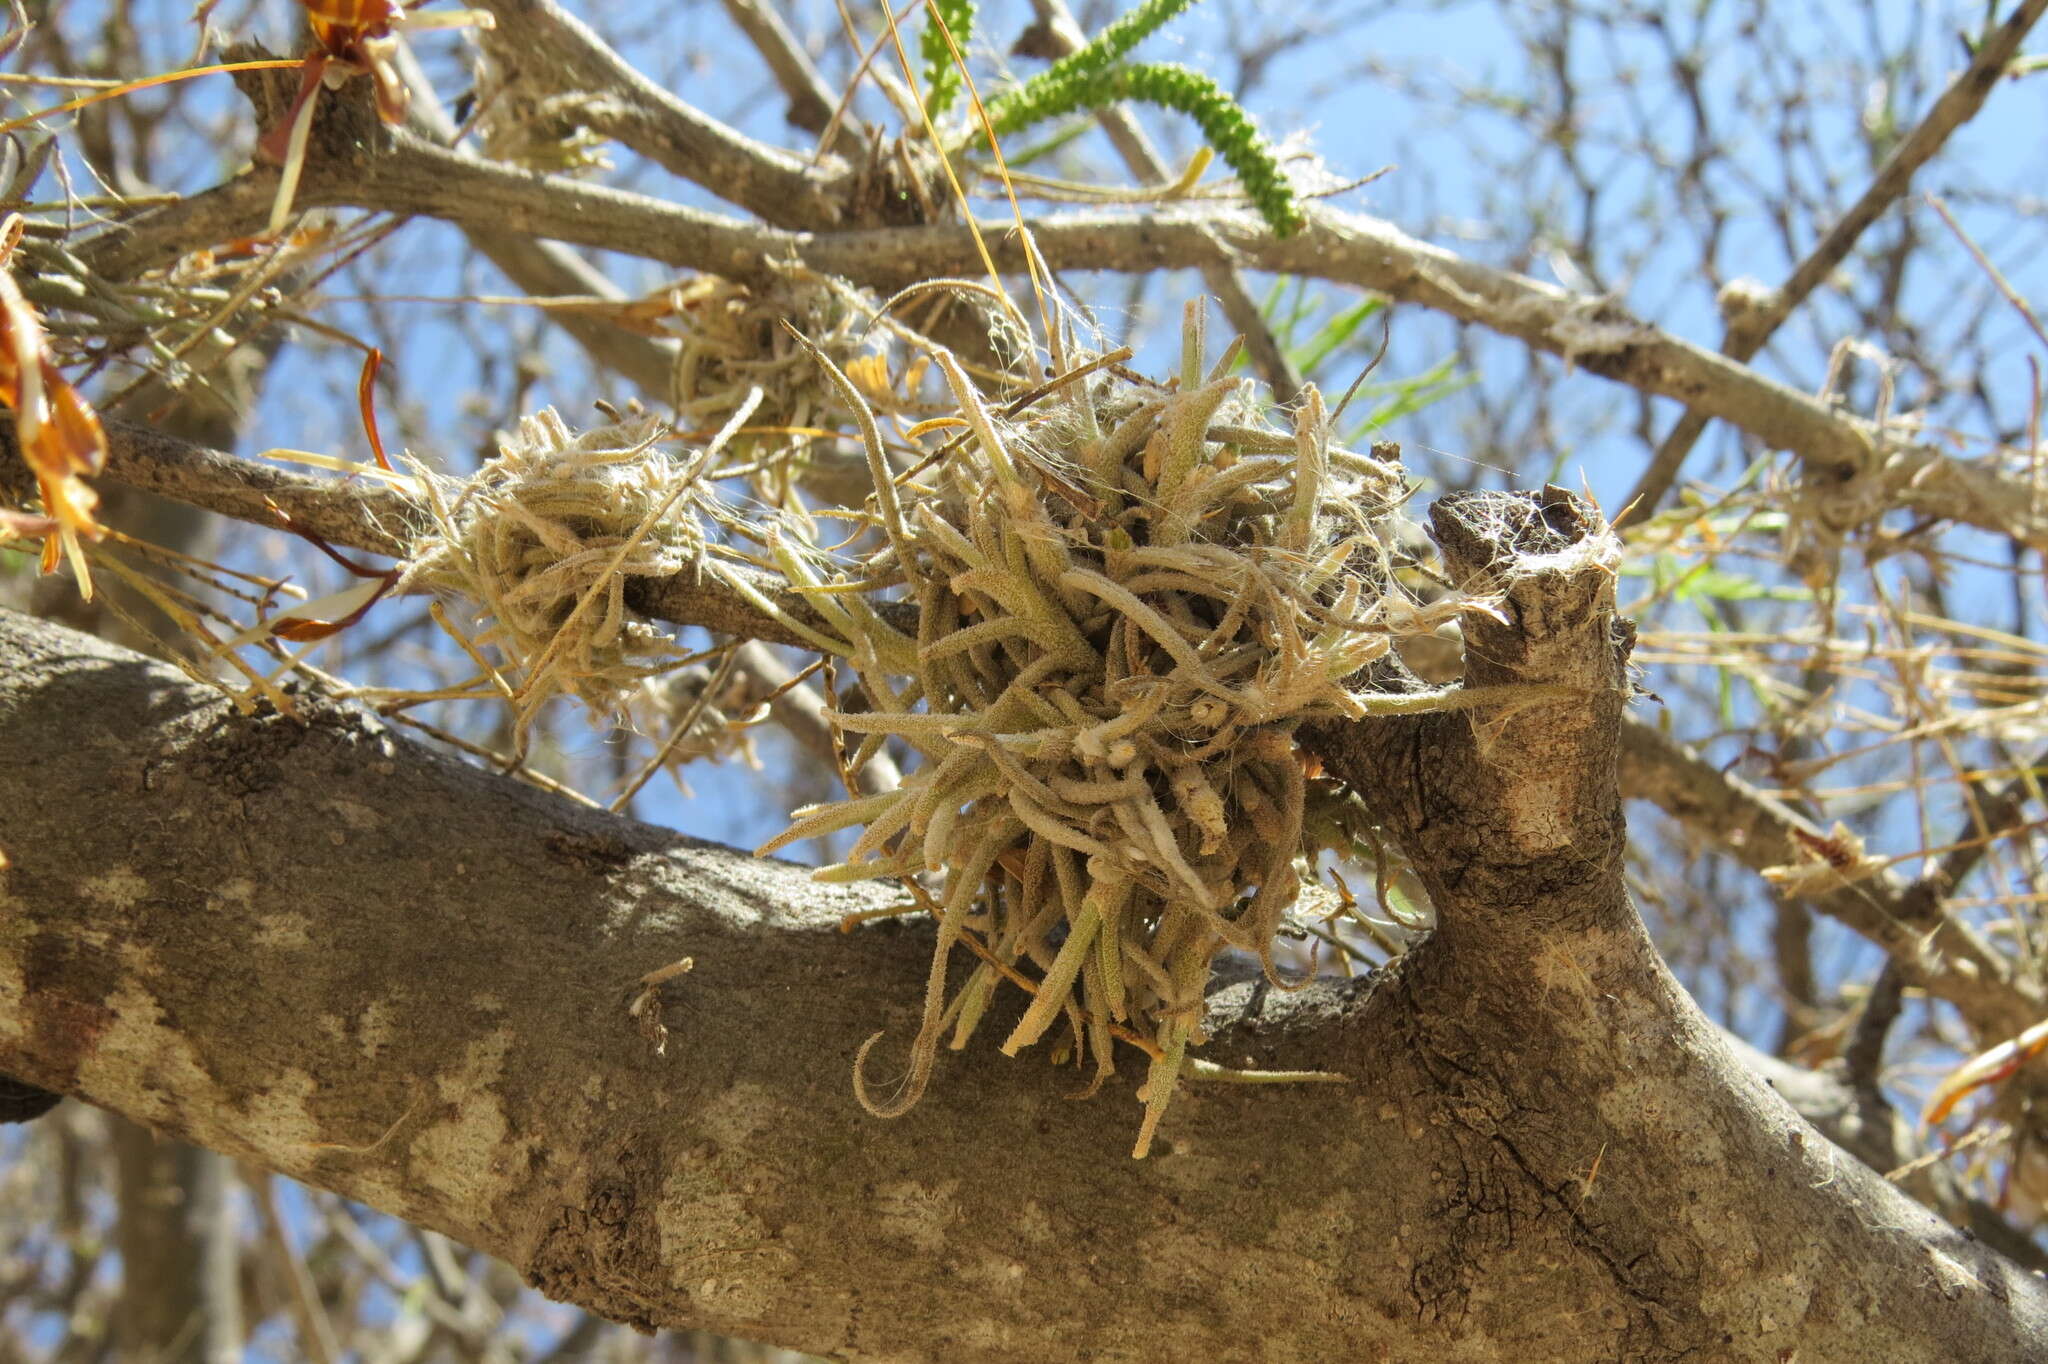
[(1129, 599)]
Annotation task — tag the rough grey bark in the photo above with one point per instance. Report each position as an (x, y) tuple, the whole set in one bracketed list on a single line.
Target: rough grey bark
[(308, 943)]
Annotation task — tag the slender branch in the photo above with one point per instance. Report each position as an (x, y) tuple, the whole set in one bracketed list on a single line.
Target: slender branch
[(801, 711), (559, 52), (1751, 327), (1863, 1057), (1934, 951), (549, 269), (811, 101), (376, 518), (1854, 470), (1991, 813)]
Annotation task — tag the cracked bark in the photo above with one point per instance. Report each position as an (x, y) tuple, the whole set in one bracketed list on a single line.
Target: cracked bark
[(313, 945)]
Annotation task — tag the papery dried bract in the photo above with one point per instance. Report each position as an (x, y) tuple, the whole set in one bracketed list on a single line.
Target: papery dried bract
[(351, 38), (59, 433)]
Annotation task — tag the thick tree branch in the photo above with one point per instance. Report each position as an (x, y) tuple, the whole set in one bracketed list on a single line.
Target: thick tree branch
[(1858, 1119), (318, 947), (310, 944)]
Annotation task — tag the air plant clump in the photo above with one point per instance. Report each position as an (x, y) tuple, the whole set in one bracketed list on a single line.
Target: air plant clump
[(1128, 604), (703, 721), (524, 124), (543, 539), (731, 340)]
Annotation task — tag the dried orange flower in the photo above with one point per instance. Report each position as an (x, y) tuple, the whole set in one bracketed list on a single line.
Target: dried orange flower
[(351, 38), (58, 432)]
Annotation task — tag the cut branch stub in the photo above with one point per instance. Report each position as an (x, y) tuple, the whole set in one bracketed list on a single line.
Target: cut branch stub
[(1509, 812), (1550, 560)]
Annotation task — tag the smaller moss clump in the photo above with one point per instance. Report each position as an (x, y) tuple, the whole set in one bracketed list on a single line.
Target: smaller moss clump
[(731, 340), (1129, 600), (522, 123), (543, 540), (700, 714)]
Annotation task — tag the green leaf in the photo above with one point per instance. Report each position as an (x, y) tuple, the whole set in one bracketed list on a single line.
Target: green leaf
[(1309, 356), (1411, 395)]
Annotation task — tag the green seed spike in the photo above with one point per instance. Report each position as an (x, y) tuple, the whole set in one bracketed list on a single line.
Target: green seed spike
[(1108, 48), (941, 74), (1225, 125)]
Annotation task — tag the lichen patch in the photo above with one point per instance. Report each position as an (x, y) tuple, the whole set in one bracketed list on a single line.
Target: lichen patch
[(285, 929), (464, 1148), (122, 888), (279, 1114), (153, 1073)]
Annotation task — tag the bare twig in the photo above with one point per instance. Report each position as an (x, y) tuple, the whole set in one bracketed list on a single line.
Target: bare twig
[(546, 268), (1935, 951), (556, 49), (1749, 329), (810, 99), (1854, 469), (316, 1332)]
